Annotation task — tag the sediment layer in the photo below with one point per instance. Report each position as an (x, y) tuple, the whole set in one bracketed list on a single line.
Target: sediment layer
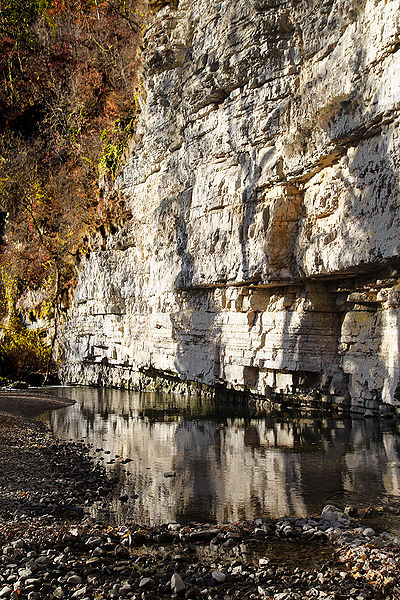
[(261, 253)]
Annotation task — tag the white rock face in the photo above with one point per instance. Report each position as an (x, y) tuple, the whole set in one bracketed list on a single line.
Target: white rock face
[(263, 181)]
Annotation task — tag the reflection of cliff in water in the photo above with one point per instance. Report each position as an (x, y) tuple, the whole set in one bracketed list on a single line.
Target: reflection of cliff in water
[(230, 464)]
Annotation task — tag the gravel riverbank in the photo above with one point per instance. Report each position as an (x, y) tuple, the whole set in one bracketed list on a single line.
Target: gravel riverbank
[(29, 403), (49, 548)]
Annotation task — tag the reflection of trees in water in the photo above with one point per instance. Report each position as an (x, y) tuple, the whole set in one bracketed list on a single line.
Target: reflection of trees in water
[(196, 463), (231, 467), (373, 461)]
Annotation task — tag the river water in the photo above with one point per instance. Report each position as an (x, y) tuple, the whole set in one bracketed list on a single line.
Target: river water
[(228, 462)]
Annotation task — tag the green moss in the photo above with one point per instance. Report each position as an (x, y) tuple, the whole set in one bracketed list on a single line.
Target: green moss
[(114, 139)]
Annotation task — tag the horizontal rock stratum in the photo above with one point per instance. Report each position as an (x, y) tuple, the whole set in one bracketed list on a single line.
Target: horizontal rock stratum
[(262, 253)]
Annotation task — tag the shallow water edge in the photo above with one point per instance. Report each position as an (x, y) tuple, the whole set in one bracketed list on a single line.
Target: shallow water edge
[(227, 461)]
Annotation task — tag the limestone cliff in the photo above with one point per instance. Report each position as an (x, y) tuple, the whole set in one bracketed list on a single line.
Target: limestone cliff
[(263, 249)]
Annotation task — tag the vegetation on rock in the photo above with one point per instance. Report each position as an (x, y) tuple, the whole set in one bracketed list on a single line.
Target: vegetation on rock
[(68, 103)]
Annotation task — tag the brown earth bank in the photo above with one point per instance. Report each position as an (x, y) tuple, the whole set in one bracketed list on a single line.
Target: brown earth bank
[(29, 403), (50, 547)]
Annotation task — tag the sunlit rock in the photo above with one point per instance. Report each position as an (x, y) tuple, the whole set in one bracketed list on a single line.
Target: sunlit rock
[(263, 249)]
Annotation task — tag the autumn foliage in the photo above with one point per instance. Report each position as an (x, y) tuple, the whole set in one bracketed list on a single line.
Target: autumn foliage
[(68, 103)]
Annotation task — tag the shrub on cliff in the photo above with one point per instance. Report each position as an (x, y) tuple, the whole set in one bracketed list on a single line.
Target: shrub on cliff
[(68, 72), (68, 80), (25, 352)]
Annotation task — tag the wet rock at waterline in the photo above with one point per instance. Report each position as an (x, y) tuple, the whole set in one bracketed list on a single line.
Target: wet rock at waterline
[(65, 562), (232, 460), (334, 516), (43, 477), (63, 555)]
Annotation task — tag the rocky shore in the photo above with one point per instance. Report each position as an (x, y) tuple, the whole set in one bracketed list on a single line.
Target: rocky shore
[(50, 548)]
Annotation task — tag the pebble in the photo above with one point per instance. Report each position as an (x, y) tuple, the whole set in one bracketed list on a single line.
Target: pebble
[(218, 576), (79, 593), (74, 580), (152, 568), (43, 555), (94, 540), (177, 584), (334, 515), (125, 589)]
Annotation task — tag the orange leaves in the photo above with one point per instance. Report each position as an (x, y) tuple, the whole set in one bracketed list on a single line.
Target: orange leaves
[(57, 7), (74, 80), (110, 108), (378, 567)]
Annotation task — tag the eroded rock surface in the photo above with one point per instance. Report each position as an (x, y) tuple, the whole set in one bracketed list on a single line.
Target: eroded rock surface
[(263, 181)]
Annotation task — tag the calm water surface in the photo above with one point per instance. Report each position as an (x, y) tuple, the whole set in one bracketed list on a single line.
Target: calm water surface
[(230, 462)]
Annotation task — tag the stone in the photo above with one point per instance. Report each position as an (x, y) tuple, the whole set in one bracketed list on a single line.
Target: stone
[(94, 540), (334, 515), (369, 532), (74, 580), (25, 572), (145, 582), (31, 565), (79, 593), (218, 576), (201, 535), (125, 589), (42, 560), (177, 584), (260, 532), (396, 540), (5, 591)]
